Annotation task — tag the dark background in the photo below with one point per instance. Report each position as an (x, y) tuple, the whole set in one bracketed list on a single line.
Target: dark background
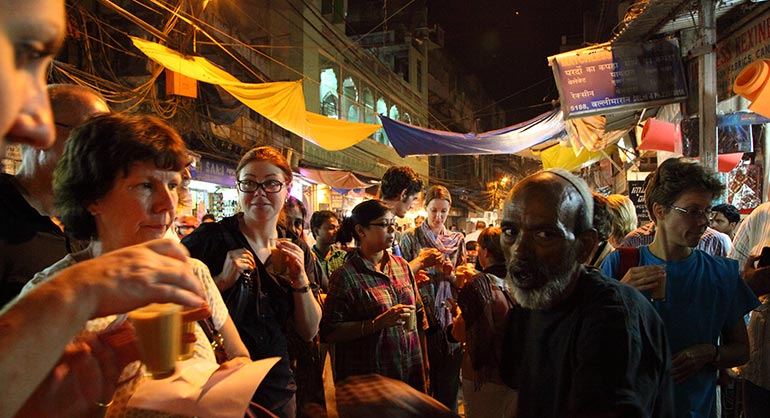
[(506, 44)]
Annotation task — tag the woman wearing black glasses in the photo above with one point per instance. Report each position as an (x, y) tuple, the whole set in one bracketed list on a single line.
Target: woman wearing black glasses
[(241, 244), (371, 309)]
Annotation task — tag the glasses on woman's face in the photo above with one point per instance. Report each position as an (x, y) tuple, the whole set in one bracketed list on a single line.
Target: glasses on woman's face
[(269, 186), (693, 213), (389, 224)]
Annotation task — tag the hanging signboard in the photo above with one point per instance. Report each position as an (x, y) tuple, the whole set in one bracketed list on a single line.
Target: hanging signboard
[(750, 42), (214, 172), (604, 78)]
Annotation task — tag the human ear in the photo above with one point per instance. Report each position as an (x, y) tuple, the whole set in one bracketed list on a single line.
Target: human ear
[(586, 241), (659, 211)]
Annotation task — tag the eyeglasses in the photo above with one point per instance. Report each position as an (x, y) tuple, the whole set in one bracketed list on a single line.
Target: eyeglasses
[(270, 186), (693, 213), (386, 225), (298, 223)]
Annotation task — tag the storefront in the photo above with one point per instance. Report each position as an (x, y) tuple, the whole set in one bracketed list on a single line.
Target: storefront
[(212, 189)]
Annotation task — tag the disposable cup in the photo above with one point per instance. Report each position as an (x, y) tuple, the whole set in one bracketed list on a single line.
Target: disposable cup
[(278, 262), (158, 328)]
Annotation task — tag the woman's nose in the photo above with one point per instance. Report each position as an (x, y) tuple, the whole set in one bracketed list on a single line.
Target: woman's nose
[(34, 123)]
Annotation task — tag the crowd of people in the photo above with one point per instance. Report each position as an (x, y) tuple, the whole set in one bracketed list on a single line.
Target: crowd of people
[(565, 309)]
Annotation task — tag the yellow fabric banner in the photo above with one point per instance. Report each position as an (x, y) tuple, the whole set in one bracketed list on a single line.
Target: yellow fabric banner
[(281, 102), (559, 156)]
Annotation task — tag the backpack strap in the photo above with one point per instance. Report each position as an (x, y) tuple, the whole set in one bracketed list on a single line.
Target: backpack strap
[(629, 257)]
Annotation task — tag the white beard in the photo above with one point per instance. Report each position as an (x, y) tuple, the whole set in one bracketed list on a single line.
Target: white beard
[(543, 297)]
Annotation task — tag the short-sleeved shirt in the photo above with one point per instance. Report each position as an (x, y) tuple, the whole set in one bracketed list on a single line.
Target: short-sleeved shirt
[(133, 375), (358, 292), (603, 348), (704, 295)]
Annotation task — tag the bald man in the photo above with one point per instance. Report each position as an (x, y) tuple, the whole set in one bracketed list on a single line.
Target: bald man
[(576, 344), (30, 240)]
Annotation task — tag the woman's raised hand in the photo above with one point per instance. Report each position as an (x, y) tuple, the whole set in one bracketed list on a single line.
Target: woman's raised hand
[(295, 263), (236, 262)]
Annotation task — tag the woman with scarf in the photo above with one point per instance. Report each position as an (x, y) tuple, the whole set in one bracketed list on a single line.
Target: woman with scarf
[(485, 301), (444, 354)]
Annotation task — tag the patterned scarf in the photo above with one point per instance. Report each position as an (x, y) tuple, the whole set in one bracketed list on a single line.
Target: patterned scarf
[(448, 244)]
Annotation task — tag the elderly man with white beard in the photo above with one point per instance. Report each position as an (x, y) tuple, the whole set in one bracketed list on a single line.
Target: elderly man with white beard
[(576, 344)]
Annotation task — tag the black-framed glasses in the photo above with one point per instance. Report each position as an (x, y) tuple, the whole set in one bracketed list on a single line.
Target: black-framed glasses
[(693, 213), (392, 224), (269, 186), (298, 223)]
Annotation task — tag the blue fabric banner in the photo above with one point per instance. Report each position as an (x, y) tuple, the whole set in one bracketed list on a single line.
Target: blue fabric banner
[(413, 140)]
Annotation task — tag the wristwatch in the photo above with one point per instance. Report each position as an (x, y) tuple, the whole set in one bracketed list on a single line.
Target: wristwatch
[(303, 289)]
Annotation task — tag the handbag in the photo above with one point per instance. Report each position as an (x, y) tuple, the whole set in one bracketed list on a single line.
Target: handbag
[(238, 296)]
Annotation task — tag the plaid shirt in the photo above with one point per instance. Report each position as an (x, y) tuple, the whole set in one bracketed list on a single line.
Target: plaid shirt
[(334, 260), (358, 292)]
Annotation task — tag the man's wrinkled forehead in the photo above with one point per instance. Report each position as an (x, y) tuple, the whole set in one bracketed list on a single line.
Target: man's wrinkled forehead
[(545, 189)]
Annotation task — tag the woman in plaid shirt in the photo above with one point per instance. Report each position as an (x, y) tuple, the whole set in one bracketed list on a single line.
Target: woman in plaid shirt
[(372, 304)]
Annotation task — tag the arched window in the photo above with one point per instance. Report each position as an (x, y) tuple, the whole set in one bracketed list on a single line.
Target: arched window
[(393, 114), (329, 99), (407, 118), (350, 100), (329, 106), (368, 101), (382, 109)]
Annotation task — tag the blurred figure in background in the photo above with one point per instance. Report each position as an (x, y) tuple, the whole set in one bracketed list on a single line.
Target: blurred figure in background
[(603, 227), (208, 218), (30, 240), (185, 224), (725, 219), (485, 300), (624, 218), (324, 226)]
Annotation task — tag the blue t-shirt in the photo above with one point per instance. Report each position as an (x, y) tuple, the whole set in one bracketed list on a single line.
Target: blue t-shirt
[(704, 294)]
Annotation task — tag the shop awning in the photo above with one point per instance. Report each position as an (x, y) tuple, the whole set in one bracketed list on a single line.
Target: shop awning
[(413, 140), (335, 179), (281, 102)]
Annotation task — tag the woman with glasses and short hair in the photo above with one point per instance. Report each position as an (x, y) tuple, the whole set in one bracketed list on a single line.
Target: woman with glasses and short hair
[(371, 309), (239, 244)]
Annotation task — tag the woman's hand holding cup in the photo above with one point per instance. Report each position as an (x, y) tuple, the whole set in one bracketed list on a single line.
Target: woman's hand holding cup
[(291, 259), (397, 315)]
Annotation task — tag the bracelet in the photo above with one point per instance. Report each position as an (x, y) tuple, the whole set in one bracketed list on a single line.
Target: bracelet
[(303, 289)]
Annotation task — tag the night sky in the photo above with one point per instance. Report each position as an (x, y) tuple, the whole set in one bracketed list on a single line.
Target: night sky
[(506, 44)]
